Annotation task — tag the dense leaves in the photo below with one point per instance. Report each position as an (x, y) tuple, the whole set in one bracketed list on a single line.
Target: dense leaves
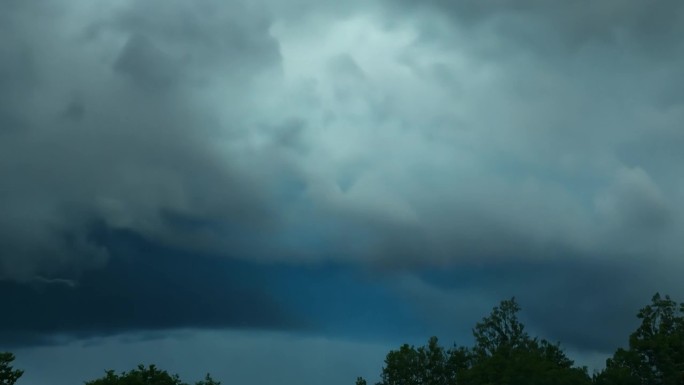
[(8, 375), (429, 364), (145, 376), (656, 349), (503, 354)]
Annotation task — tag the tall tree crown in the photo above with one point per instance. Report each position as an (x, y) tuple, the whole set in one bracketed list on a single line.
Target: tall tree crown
[(8, 375)]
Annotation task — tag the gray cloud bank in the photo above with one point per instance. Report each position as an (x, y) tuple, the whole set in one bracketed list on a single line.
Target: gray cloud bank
[(395, 135), (104, 117), (145, 288)]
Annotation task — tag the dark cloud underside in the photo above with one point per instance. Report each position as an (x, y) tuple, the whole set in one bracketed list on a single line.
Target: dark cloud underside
[(144, 287)]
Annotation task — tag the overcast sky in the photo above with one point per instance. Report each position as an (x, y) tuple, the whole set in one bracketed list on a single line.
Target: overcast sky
[(281, 191)]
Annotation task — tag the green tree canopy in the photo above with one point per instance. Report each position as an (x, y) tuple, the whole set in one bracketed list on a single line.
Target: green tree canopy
[(503, 354), (656, 349), (430, 364), (8, 375), (149, 375)]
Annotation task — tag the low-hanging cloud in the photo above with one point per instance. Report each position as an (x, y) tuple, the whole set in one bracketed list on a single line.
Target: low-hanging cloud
[(102, 123), (353, 133)]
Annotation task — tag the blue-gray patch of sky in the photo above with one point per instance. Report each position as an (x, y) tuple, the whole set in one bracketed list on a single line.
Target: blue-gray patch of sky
[(343, 301)]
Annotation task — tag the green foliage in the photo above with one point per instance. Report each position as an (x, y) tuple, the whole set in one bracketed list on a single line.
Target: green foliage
[(208, 381), (656, 349), (503, 354), (619, 370), (501, 332), (8, 375), (429, 364), (146, 376)]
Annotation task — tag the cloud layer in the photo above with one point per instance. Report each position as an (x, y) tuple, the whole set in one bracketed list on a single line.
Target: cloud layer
[(529, 148), (144, 288), (336, 134)]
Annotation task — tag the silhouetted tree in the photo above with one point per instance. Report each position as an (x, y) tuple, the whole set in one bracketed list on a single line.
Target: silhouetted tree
[(146, 376), (656, 349), (503, 354), (409, 365), (8, 375)]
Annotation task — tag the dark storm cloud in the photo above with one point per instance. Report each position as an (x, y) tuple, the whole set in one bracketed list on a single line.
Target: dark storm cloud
[(502, 133), (145, 64), (99, 119), (144, 287), (553, 26), (586, 305), (527, 148)]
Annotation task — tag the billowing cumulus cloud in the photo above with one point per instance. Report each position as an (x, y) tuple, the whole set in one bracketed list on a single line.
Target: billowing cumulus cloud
[(332, 135), (106, 120), (395, 136), (442, 139)]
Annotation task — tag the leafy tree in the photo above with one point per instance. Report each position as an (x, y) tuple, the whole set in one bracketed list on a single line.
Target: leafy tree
[(501, 332), (208, 381), (426, 365), (146, 376), (8, 375), (656, 349), (402, 367), (503, 354), (620, 370)]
